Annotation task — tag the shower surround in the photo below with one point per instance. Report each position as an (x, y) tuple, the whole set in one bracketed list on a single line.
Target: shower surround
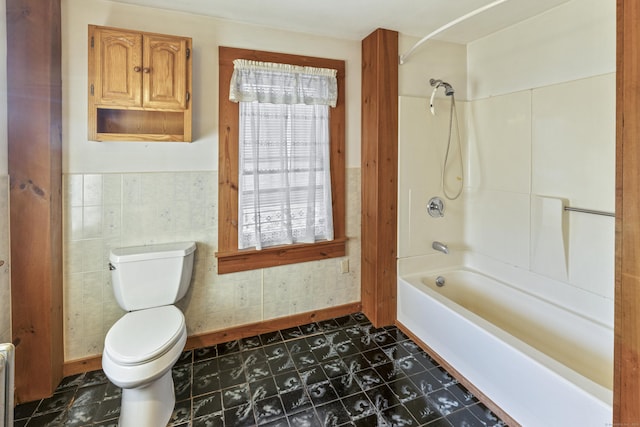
[(548, 131), (539, 124)]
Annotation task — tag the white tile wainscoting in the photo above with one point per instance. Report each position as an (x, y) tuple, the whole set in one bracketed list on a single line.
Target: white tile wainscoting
[(102, 211)]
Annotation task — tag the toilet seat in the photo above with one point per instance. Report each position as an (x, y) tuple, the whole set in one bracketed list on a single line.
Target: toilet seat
[(144, 335)]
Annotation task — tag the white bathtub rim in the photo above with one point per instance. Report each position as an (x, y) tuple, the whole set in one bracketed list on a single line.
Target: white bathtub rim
[(565, 294), (568, 375), (588, 304), (418, 277)]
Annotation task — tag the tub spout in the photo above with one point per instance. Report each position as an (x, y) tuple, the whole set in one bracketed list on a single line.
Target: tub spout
[(438, 246)]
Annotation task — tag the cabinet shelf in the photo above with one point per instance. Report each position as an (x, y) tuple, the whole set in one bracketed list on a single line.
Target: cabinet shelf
[(120, 125), (139, 137)]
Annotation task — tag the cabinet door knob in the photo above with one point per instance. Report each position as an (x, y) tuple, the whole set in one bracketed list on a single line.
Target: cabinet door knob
[(137, 69), (147, 70)]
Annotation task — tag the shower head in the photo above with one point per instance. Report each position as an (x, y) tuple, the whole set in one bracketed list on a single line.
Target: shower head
[(448, 90)]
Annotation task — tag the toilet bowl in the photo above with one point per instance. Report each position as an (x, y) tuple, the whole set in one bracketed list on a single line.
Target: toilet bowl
[(140, 350), (143, 345)]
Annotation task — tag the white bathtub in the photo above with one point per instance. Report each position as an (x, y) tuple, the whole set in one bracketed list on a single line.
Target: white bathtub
[(540, 363)]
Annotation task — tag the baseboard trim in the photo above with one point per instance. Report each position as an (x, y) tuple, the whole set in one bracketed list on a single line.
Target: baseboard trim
[(78, 366), (472, 388), (208, 339)]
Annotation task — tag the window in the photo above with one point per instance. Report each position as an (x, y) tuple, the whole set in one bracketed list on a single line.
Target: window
[(284, 191), (237, 254)]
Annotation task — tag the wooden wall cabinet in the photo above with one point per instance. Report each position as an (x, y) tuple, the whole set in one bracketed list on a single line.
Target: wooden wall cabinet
[(139, 86)]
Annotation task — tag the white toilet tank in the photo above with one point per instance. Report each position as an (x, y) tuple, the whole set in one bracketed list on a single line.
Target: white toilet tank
[(151, 276)]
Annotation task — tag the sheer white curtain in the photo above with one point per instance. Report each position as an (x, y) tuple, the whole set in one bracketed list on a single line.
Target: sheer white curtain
[(284, 193)]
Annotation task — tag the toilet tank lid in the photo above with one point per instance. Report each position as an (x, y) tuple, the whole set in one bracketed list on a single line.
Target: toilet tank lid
[(156, 251)]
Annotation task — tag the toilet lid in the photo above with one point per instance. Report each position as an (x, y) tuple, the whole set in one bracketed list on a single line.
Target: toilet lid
[(143, 335)]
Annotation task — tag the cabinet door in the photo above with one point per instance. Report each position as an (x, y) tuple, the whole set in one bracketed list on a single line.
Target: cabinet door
[(164, 74), (117, 57)]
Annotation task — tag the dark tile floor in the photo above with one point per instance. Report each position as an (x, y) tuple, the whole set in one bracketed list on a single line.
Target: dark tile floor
[(340, 372)]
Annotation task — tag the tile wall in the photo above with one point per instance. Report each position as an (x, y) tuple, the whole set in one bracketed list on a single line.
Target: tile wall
[(102, 211), (5, 254)]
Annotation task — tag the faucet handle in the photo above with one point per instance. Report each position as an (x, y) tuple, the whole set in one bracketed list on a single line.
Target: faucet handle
[(435, 207)]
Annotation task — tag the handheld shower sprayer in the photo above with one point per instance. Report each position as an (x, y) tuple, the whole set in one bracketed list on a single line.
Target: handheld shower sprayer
[(453, 122), (433, 95), (448, 91)]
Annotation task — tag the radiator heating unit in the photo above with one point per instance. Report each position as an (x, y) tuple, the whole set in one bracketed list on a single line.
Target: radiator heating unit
[(7, 372)]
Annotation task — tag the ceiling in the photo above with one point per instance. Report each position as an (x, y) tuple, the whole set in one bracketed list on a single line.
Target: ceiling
[(355, 19)]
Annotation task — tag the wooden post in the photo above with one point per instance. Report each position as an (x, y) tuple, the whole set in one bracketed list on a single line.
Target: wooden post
[(35, 159), (379, 175), (626, 393)]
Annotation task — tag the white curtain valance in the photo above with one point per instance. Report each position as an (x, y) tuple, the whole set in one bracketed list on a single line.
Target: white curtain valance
[(282, 84)]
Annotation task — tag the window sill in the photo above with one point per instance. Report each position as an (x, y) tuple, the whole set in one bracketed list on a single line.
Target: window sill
[(250, 259)]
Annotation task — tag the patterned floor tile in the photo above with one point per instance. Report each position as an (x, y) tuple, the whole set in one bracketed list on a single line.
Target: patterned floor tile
[(423, 410), (332, 414), (382, 398), (336, 372), (270, 338), (268, 410), (236, 396), (207, 404), (291, 333), (263, 388), (322, 392), (240, 416), (202, 354), (295, 401)]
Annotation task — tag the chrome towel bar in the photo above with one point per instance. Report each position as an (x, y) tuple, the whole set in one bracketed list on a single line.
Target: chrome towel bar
[(589, 211)]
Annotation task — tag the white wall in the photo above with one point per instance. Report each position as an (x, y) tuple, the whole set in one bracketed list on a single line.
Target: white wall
[(421, 152), (5, 278), (422, 144), (433, 60), (132, 193), (82, 156), (570, 42)]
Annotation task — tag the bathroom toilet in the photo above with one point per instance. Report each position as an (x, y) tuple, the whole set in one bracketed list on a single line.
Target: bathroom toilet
[(143, 345)]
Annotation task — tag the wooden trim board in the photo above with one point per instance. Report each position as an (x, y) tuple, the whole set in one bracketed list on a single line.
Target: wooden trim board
[(626, 382)]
